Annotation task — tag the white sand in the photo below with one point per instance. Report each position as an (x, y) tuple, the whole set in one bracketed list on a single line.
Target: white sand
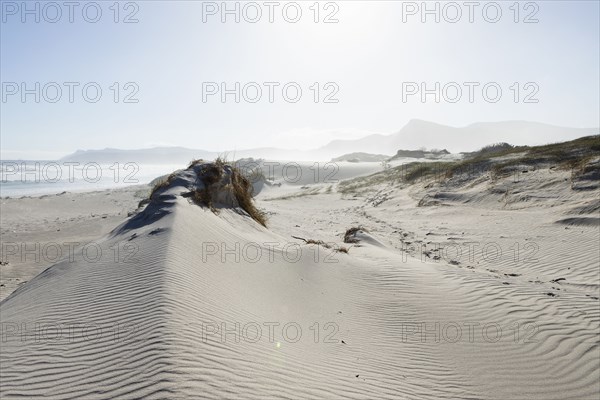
[(53, 224), (149, 322)]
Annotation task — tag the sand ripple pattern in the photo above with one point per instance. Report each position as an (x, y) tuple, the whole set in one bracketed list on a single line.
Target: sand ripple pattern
[(154, 326)]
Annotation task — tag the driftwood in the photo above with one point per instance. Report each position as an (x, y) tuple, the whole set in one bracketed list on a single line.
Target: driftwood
[(297, 237)]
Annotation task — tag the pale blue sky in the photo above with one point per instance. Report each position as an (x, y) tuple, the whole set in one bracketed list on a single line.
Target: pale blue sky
[(369, 53)]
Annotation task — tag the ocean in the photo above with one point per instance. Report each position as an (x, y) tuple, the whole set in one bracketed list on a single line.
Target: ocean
[(20, 178)]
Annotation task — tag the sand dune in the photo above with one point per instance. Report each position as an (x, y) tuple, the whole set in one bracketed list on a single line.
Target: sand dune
[(203, 304)]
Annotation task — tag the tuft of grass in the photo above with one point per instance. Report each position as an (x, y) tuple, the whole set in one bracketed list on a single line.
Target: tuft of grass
[(195, 162), (349, 235), (161, 184), (212, 173), (318, 243), (496, 148), (313, 241), (334, 247), (242, 189), (203, 198), (254, 175), (422, 171)]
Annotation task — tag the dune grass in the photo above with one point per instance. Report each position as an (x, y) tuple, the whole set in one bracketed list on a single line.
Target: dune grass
[(242, 189), (342, 249), (162, 183), (330, 246), (350, 232), (212, 173), (496, 160), (240, 186)]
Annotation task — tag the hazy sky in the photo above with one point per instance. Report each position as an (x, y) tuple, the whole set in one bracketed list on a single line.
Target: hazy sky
[(366, 61)]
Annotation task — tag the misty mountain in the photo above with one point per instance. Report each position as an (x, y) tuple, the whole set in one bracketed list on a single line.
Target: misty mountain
[(361, 157), (156, 155), (416, 134)]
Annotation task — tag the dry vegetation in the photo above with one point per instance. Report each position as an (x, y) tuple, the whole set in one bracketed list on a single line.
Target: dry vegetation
[(162, 182), (332, 246), (313, 241), (212, 173), (342, 249), (496, 160), (240, 186), (349, 235)]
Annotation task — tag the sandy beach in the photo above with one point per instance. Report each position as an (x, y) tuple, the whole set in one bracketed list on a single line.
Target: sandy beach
[(38, 231), (328, 200), (472, 287)]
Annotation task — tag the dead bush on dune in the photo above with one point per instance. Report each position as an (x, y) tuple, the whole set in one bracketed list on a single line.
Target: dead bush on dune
[(214, 187), (349, 235), (240, 186)]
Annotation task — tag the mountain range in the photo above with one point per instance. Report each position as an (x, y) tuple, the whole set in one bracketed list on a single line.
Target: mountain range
[(417, 134)]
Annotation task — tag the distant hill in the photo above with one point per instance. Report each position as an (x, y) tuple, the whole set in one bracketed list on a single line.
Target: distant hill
[(177, 155), (414, 135), (431, 154), (418, 133), (157, 155), (361, 157)]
